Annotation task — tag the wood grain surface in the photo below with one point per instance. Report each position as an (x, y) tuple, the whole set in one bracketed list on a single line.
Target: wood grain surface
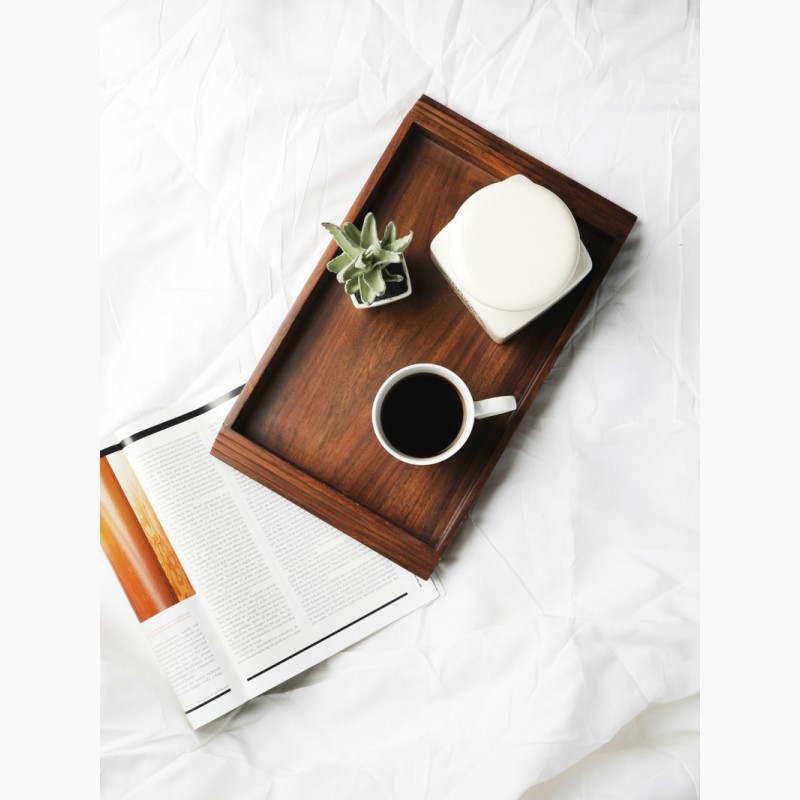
[(302, 425)]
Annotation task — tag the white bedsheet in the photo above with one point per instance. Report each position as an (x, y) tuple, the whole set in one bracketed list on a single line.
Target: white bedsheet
[(563, 662)]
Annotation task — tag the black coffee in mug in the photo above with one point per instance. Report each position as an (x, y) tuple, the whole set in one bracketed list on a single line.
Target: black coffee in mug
[(422, 415)]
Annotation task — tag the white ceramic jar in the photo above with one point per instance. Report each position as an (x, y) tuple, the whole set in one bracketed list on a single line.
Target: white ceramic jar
[(511, 251)]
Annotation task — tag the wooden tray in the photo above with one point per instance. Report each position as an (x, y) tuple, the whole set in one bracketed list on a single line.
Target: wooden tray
[(302, 424)]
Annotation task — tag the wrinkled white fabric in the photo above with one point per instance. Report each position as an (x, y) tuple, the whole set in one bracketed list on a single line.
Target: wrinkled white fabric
[(563, 662)]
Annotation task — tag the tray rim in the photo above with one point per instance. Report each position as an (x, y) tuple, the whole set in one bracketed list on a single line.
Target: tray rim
[(287, 474), (306, 490)]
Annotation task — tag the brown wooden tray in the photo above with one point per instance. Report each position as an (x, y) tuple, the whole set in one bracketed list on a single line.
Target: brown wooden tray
[(302, 424)]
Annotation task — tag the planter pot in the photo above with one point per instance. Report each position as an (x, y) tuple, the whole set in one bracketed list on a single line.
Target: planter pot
[(394, 291)]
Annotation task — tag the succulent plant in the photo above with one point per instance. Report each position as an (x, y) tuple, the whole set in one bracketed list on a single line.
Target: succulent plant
[(363, 265)]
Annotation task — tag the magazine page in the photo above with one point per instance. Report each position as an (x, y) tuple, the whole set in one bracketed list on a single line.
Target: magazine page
[(174, 619), (283, 589)]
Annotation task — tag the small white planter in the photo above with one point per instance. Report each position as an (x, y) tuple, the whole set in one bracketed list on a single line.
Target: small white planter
[(394, 291)]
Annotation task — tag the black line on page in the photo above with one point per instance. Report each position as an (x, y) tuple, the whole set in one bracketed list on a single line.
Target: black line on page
[(216, 697), (169, 423), (344, 627)]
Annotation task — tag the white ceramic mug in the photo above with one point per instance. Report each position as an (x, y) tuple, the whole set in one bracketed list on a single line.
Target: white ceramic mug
[(472, 410)]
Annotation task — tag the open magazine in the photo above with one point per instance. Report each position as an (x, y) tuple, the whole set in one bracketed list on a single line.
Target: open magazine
[(236, 588)]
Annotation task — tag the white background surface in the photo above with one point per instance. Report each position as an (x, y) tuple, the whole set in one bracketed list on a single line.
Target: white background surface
[(48, 249), (563, 662)]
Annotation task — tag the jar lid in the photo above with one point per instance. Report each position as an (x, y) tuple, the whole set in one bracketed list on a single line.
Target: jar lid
[(515, 245)]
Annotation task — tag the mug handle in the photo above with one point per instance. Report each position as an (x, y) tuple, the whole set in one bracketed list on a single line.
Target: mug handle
[(494, 405)]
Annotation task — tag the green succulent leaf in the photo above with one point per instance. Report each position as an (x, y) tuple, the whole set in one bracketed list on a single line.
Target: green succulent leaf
[(375, 281), (339, 263), (390, 277), (369, 233), (388, 257), (342, 239), (389, 234), (353, 233), (362, 264), (348, 272), (400, 244), (367, 292), (371, 254), (351, 287)]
